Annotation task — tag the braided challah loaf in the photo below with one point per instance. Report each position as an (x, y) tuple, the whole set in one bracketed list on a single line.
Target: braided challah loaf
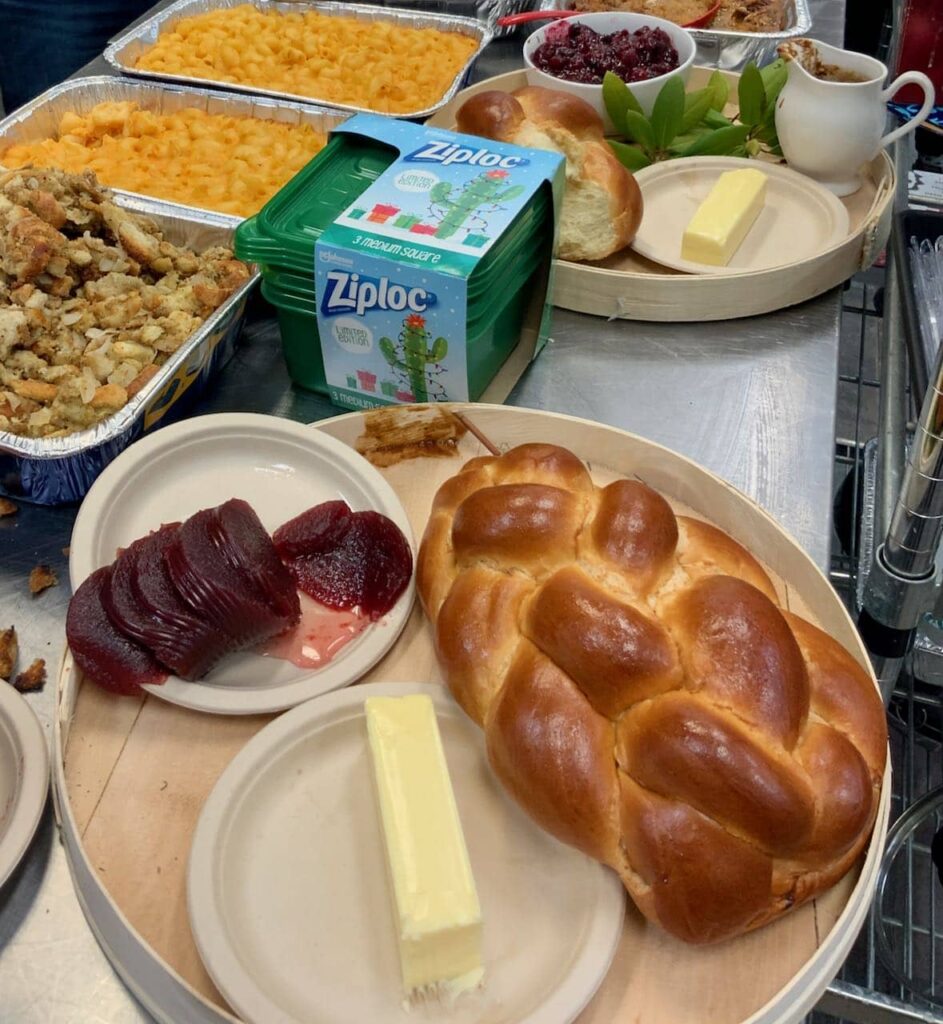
[(644, 696)]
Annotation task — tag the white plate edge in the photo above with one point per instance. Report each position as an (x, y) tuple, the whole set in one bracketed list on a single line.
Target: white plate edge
[(32, 785), (601, 942), (260, 700), (783, 172)]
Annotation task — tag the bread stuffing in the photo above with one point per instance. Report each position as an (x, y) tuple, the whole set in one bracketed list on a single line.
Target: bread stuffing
[(92, 300)]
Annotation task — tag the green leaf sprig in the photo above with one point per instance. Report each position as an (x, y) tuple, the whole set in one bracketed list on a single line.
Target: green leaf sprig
[(693, 124)]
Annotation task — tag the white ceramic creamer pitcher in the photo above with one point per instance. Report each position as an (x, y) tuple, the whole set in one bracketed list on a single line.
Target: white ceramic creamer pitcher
[(830, 129)]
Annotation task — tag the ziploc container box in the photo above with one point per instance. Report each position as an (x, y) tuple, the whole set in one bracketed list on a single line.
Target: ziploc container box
[(410, 264)]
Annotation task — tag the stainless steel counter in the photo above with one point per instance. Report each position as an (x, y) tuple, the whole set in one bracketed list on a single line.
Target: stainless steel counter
[(753, 400)]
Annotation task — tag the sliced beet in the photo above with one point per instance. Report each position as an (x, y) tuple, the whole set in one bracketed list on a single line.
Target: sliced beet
[(247, 546), (215, 589), (104, 654), (365, 565), (389, 566), (144, 604), (315, 531)]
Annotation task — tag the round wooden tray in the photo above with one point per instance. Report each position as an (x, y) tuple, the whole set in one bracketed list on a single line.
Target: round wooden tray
[(131, 775), (628, 286)]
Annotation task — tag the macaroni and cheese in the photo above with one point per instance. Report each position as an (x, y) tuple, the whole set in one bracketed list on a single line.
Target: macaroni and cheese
[(378, 65), (229, 164)]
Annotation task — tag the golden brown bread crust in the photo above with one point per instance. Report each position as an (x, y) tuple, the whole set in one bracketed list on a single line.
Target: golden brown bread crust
[(490, 115), (644, 697), (548, 119)]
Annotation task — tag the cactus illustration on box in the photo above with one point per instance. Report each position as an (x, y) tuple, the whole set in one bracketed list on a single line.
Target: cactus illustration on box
[(487, 190), (413, 354)]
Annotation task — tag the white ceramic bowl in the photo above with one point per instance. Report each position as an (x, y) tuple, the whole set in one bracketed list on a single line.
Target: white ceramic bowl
[(604, 23)]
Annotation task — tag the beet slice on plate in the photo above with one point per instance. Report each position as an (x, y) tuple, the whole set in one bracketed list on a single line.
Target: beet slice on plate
[(103, 653), (315, 531), (216, 589), (246, 545), (143, 603), (390, 564), (366, 564)]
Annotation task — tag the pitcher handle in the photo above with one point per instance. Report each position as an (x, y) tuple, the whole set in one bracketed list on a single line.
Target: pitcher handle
[(909, 78)]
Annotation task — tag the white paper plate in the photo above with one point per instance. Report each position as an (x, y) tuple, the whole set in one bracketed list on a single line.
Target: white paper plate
[(801, 219), (288, 894), (24, 777), (281, 468)]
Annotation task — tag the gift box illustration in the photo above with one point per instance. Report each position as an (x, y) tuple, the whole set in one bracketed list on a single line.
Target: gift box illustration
[(381, 213), (412, 353), (405, 396), (356, 214), (368, 381), (351, 381), (405, 220), (476, 241), (424, 229), (388, 388)]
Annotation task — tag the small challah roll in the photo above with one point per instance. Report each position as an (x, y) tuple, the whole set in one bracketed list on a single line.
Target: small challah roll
[(602, 205)]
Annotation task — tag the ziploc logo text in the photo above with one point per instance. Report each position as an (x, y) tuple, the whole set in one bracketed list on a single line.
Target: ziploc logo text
[(445, 153), (346, 292)]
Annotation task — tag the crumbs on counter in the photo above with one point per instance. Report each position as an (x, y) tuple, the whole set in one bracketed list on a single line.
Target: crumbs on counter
[(41, 577), (7, 508), (394, 434), (31, 679), (9, 648)]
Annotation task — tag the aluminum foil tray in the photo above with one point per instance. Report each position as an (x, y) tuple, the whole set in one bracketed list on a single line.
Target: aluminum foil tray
[(57, 470), (122, 52), (487, 11), (731, 51), (39, 119)]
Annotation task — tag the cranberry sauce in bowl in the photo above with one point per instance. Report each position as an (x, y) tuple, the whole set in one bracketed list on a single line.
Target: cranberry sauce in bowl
[(578, 53), (573, 55)]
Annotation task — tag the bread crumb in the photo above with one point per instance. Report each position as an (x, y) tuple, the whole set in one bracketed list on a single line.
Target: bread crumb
[(7, 508), (31, 679), (9, 647), (41, 578), (67, 551)]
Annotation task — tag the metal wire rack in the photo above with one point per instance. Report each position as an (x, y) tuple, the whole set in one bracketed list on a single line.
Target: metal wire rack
[(866, 992)]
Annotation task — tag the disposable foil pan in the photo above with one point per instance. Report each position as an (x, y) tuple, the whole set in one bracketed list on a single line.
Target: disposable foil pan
[(57, 470), (731, 51), (125, 50), (487, 11), (39, 119)]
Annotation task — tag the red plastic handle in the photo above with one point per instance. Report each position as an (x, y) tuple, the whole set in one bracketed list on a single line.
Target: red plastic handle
[(526, 16), (705, 19)]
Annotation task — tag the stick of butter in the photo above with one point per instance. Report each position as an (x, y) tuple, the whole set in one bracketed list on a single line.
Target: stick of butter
[(725, 217), (435, 903)]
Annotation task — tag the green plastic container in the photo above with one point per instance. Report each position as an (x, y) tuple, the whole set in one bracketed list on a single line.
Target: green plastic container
[(298, 326), (493, 333), (282, 236)]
